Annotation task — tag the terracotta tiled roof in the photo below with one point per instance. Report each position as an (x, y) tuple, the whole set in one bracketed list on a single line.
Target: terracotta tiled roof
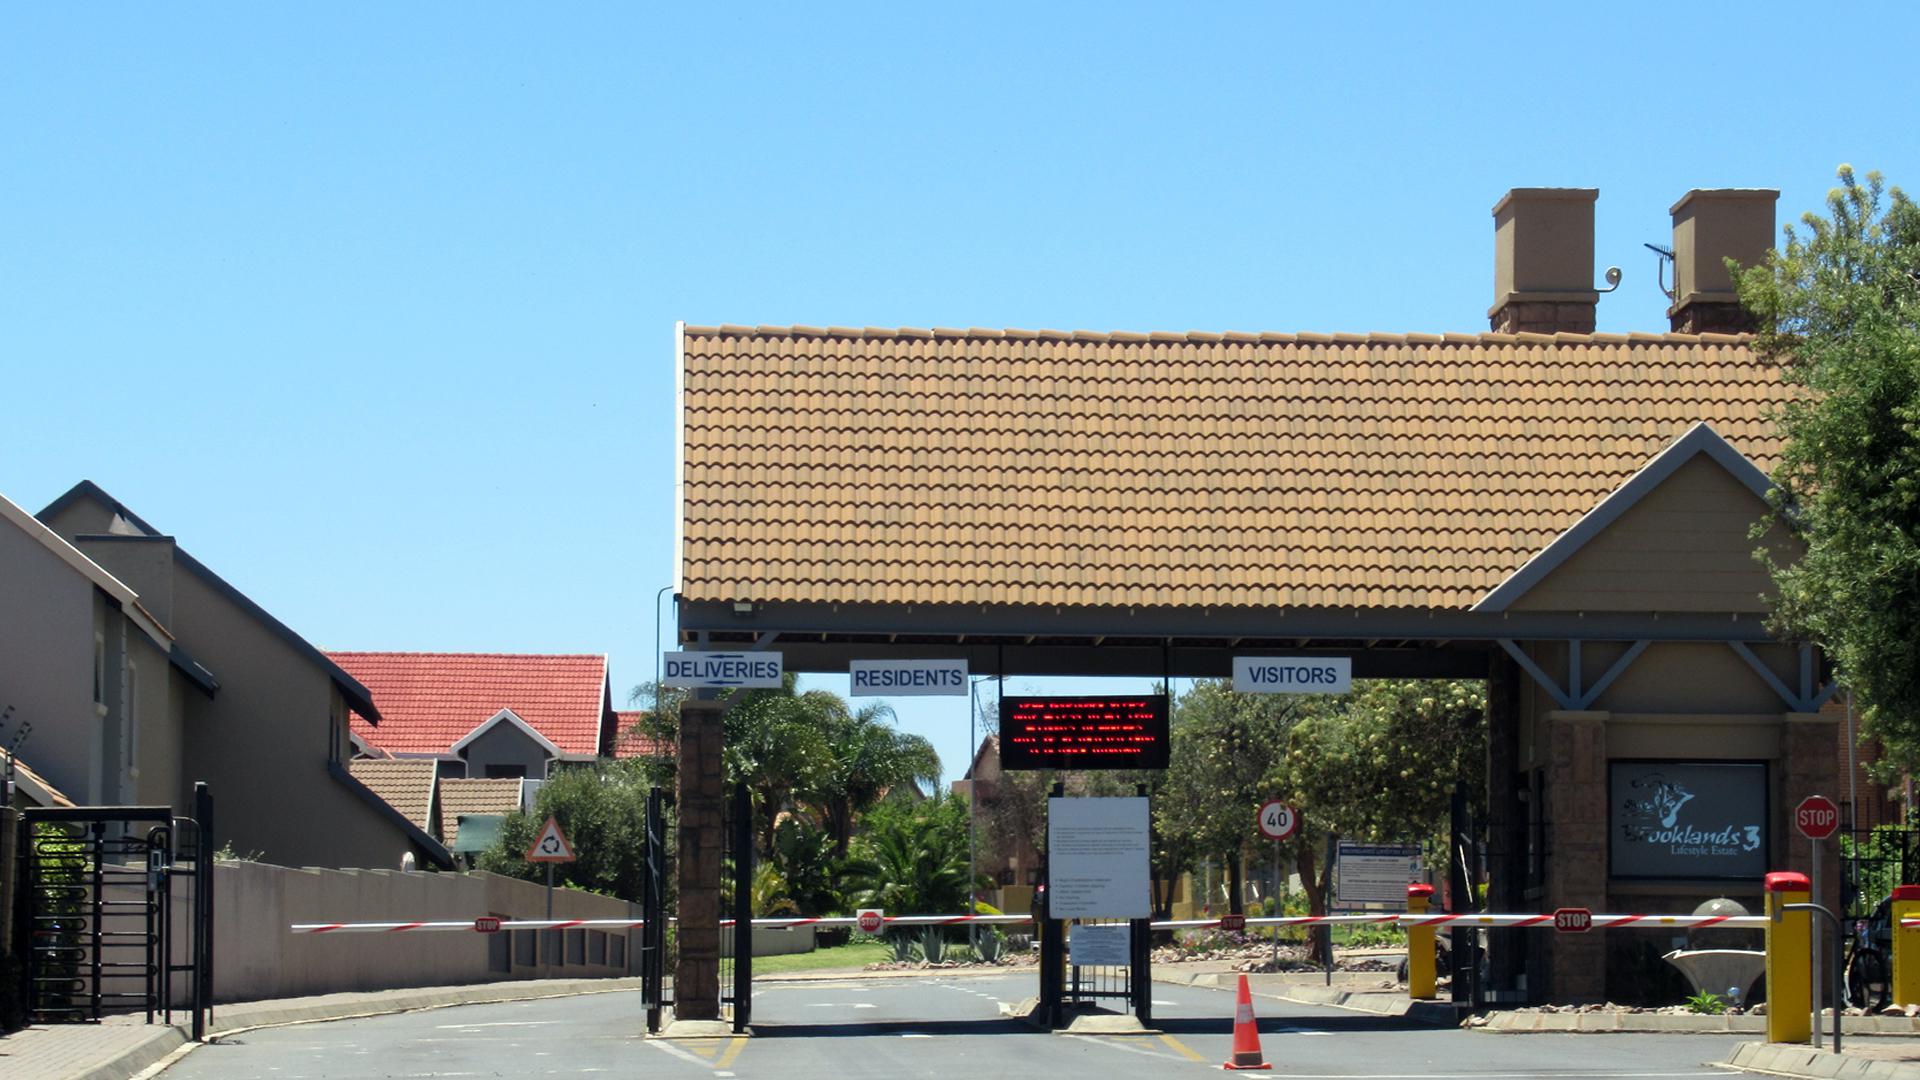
[(428, 701), (631, 743), (35, 787), (477, 797), (1257, 470), (406, 785)]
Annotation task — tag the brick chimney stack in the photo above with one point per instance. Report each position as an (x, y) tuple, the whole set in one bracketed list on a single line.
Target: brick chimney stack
[(1710, 227), (1543, 261)]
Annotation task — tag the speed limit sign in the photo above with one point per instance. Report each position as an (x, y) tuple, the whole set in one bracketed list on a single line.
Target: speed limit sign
[(1278, 820)]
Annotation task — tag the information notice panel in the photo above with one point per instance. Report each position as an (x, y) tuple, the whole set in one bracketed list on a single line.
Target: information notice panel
[(1123, 732)]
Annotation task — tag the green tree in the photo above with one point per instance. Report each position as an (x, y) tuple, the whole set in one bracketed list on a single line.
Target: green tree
[(911, 858), (1838, 307), (866, 757), (602, 808), (1379, 764), (1225, 748)]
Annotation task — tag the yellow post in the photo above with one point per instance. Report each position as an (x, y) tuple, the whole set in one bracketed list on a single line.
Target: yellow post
[(1789, 960), (1906, 946), (1420, 974)]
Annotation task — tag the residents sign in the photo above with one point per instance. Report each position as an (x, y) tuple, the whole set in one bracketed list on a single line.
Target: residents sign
[(1687, 819), (1292, 674), (708, 670), (908, 678)]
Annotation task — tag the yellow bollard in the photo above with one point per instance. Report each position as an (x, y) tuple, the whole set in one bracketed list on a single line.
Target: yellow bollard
[(1906, 946), (1420, 973), (1789, 960)]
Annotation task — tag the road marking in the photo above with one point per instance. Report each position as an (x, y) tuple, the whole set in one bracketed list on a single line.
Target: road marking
[(1535, 1075), (667, 1047), (1183, 1049), (497, 1023), (738, 1044), (1121, 1042)]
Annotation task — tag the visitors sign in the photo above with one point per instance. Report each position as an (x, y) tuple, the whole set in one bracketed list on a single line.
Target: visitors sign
[(1084, 732), (1816, 817), (723, 670), (1292, 674), (1097, 856), (908, 678)]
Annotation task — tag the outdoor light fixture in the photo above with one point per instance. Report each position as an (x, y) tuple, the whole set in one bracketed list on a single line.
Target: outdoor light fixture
[(742, 607)]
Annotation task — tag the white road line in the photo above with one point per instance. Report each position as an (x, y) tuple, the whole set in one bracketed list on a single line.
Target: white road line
[(498, 1023), (1116, 1045)]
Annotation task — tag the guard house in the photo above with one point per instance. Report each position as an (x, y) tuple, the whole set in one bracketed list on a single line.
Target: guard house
[(1563, 513)]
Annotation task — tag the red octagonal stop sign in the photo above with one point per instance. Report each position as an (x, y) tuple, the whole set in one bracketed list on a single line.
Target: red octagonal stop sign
[(1816, 817)]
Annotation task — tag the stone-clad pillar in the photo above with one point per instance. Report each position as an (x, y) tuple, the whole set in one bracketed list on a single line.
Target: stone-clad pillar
[(702, 808), (1576, 841), (1809, 766)]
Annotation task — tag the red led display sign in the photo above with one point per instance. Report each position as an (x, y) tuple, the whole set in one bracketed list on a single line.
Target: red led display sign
[(1127, 732)]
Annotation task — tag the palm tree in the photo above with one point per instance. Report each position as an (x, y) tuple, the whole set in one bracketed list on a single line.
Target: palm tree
[(866, 758)]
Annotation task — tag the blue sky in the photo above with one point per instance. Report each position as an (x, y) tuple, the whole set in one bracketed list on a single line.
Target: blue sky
[(372, 305)]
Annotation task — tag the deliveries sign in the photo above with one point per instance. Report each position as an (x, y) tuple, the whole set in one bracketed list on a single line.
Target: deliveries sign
[(1682, 819)]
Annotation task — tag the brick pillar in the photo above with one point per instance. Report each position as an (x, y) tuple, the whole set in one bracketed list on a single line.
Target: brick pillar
[(1808, 767), (702, 809), (1576, 855)]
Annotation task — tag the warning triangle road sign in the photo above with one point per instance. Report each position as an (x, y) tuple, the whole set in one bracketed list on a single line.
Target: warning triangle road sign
[(551, 845)]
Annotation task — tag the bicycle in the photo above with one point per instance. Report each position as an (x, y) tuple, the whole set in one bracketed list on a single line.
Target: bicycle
[(1868, 972)]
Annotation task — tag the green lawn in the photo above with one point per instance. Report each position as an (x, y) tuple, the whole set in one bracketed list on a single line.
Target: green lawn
[(856, 955)]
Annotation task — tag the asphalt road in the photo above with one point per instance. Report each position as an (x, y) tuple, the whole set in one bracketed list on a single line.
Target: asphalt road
[(928, 1025)]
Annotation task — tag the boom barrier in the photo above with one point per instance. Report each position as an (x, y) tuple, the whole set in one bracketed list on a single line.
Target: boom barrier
[(1600, 922)]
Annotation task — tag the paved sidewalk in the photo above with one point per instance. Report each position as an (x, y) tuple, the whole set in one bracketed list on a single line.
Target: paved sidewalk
[(121, 1047)]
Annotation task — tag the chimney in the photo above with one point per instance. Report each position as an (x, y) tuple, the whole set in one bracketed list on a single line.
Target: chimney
[(1543, 261), (1709, 227)]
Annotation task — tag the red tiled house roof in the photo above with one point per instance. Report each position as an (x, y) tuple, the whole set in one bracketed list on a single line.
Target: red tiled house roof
[(429, 701), (633, 743)]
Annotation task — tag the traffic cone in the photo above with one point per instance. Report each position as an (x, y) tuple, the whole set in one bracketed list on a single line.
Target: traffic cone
[(1246, 1034)]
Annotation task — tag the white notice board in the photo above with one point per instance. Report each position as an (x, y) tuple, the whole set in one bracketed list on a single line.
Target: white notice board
[(1099, 945), (1375, 874), (1097, 856)]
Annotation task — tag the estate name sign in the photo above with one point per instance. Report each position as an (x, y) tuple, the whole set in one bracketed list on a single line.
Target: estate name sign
[(1687, 819)]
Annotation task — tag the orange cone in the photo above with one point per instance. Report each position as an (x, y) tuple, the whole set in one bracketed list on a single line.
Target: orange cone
[(1246, 1034)]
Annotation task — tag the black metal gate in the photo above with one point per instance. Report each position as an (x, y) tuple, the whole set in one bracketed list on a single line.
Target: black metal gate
[(104, 932), (657, 944), (736, 926), (654, 939), (1065, 985)]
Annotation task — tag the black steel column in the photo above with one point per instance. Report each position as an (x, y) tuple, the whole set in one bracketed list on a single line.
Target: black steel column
[(1052, 939), (1140, 938), (653, 910), (742, 907), (203, 912)]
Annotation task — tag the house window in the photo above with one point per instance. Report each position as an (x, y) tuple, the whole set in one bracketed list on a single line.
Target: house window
[(130, 734), (506, 772), (100, 670)]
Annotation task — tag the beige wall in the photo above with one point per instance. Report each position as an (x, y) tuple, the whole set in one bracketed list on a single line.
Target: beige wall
[(263, 742), (46, 659), (1684, 547)]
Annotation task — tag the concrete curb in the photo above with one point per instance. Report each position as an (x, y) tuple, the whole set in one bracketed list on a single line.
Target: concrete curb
[(1784, 1059), (131, 1061), (1377, 1002)]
